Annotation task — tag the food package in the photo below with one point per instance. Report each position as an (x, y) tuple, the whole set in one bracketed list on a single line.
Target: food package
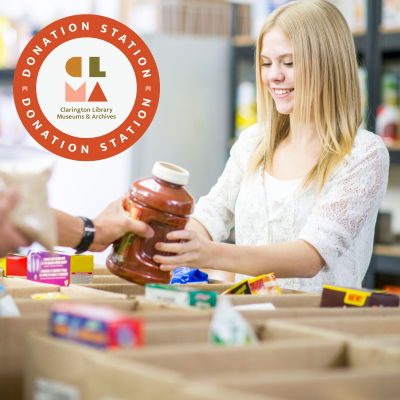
[(333, 296), (97, 326), (16, 265), (242, 287), (263, 284), (3, 267), (392, 289), (59, 268), (183, 296), (229, 327), (49, 296), (28, 170), (387, 123), (188, 275)]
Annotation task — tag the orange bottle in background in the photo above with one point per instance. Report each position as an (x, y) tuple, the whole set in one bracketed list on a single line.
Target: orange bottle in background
[(163, 203)]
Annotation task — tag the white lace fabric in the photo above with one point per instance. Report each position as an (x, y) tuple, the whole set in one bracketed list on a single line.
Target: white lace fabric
[(339, 222)]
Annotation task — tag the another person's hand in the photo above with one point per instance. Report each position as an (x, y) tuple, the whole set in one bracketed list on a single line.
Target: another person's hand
[(195, 252), (10, 237), (112, 223)]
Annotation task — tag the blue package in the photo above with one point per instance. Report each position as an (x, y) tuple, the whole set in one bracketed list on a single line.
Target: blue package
[(188, 275)]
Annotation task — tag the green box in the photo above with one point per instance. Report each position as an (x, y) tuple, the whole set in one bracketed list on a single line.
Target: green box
[(183, 296)]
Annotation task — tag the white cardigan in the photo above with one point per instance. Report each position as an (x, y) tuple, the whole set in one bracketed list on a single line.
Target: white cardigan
[(339, 222)]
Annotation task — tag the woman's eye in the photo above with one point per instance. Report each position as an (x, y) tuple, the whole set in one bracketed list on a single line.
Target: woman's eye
[(266, 65), (289, 64)]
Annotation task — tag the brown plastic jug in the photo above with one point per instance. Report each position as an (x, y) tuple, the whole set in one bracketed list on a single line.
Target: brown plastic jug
[(163, 203)]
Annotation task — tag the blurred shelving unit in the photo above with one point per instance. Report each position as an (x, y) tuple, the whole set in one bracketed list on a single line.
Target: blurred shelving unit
[(6, 76)]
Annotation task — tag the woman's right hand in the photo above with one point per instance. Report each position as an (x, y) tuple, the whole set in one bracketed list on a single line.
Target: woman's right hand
[(10, 237)]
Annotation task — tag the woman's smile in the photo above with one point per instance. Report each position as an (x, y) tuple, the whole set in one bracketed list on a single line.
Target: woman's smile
[(281, 93)]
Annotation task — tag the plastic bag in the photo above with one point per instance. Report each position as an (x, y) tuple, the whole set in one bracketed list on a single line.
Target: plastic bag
[(188, 275), (229, 327), (8, 307), (28, 170)]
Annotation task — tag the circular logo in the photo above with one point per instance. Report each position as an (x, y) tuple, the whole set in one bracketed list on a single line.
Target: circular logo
[(86, 87)]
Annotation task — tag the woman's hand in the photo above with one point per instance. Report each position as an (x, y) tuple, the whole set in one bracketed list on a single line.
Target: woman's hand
[(195, 252)]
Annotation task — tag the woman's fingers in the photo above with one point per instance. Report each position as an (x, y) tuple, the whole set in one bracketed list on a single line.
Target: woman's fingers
[(176, 247), (177, 235), (168, 260), (171, 267)]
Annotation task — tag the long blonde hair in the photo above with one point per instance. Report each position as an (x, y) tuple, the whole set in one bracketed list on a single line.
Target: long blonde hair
[(326, 82)]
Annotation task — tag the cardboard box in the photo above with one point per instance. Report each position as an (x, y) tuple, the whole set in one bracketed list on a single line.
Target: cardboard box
[(113, 279), (377, 351), (343, 329), (62, 368), (210, 363), (279, 300), (22, 288), (319, 312), (100, 269), (107, 279), (82, 292), (13, 333), (132, 289), (366, 384), (160, 371), (28, 306)]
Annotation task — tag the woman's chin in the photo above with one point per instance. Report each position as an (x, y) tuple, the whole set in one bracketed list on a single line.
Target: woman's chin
[(284, 110)]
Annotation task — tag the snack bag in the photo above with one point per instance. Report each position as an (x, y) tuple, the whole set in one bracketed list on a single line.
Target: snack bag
[(229, 327), (28, 170), (8, 307), (264, 284), (242, 287), (188, 275)]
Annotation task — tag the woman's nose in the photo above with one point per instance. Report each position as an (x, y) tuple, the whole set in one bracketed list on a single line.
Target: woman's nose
[(275, 75)]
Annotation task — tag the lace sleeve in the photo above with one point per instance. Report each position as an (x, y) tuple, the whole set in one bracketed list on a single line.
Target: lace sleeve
[(216, 210), (350, 199)]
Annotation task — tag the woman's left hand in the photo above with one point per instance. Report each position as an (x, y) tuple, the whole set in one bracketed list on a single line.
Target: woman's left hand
[(195, 252)]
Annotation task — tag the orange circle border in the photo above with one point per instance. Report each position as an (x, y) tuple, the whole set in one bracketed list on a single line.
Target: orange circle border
[(24, 87)]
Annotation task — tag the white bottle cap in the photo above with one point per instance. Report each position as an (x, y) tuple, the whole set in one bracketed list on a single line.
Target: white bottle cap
[(170, 173)]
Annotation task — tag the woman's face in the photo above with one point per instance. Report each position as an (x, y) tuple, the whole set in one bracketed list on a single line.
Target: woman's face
[(277, 69)]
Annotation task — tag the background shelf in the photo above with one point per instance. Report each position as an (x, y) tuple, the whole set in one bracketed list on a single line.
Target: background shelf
[(6, 76), (387, 250)]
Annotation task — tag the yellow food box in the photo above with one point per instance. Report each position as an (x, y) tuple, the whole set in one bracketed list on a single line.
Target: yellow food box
[(81, 268), (3, 266)]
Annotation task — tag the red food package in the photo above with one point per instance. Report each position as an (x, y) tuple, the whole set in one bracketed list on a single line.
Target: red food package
[(98, 326)]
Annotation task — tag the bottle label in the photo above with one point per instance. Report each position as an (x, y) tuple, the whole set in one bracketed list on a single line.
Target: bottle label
[(121, 246)]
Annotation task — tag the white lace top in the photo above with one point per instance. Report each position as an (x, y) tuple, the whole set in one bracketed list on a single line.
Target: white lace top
[(339, 222)]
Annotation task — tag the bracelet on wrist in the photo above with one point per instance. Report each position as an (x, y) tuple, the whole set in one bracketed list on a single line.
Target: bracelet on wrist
[(88, 236)]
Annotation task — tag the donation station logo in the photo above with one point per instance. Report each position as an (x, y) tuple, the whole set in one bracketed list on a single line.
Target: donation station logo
[(86, 87)]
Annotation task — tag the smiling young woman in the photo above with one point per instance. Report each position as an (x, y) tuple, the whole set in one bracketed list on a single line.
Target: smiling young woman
[(302, 186)]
